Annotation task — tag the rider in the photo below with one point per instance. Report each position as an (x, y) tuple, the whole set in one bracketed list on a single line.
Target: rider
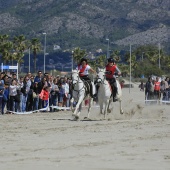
[(84, 69), (111, 69)]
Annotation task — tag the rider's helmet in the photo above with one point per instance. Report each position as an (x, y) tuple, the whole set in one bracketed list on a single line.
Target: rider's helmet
[(111, 60), (83, 59)]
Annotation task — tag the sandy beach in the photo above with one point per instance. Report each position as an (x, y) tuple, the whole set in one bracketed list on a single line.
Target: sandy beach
[(137, 140)]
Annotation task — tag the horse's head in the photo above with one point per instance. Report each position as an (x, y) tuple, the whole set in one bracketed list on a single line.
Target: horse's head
[(101, 75), (75, 76)]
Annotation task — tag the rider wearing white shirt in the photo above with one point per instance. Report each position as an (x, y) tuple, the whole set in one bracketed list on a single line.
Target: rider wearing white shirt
[(84, 69)]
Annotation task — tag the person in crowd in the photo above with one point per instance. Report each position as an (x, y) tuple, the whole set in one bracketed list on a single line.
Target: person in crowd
[(61, 92), (43, 83), (44, 95), (111, 69), (148, 89), (70, 92), (29, 104), (14, 99), (5, 98), (37, 87), (167, 83), (25, 90), (66, 93), (36, 91), (165, 89), (14, 77), (142, 86), (54, 94), (122, 84), (38, 77), (157, 88), (1, 90), (21, 83)]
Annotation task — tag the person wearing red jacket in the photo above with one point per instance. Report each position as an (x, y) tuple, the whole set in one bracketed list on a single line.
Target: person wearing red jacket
[(44, 96), (157, 88), (111, 70)]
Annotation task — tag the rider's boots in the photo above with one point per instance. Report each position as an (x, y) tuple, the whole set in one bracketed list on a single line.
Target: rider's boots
[(115, 93), (95, 96)]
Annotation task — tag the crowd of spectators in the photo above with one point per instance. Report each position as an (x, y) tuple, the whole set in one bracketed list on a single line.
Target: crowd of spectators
[(157, 88), (31, 93)]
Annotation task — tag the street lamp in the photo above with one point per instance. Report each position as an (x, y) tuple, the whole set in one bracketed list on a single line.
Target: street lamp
[(72, 60), (45, 34), (29, 59), (142, 56), (107, 48), (159, 55), (130, 77)]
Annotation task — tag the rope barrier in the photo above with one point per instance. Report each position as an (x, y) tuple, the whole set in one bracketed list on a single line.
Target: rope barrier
[(68, 108)]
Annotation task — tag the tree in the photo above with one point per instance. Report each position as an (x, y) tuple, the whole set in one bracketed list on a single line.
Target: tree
[(19, 48), (134, 63), (6, 48), (101, 61), (78, 54), (35, 47), (116, 56)]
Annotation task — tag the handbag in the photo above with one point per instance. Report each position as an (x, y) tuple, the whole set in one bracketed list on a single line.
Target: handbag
[(34, 95)]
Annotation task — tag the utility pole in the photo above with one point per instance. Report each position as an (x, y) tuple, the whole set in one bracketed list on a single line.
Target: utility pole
[(44, 48), (108, 48), (130, 78), (159, 55)]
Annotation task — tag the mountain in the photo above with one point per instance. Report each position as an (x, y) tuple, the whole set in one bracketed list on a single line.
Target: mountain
[(87, 24)]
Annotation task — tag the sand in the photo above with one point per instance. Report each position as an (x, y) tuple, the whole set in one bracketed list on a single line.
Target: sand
[(137, 140)]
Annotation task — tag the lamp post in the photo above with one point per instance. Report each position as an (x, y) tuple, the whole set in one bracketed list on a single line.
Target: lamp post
[(159, 55), (29, 60), (108, 48), (72, 60), (45, 34), (142, 56), (130, 78)]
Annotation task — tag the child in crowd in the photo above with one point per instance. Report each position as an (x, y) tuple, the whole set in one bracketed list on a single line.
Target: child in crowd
[(44, 96)]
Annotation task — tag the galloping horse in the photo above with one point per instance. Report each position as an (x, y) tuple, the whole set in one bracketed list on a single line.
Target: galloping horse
[(80, 91), (105, 92)]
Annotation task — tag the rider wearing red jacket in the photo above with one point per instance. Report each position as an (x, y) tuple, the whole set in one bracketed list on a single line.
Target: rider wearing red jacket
[(111, 69)]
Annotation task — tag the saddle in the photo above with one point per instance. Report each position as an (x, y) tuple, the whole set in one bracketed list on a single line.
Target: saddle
[(88, 87)]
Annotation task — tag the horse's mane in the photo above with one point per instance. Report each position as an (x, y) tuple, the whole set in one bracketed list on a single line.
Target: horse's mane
[(75, 71)]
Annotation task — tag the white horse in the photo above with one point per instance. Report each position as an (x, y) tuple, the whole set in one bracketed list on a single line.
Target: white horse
[(105, 91), (79, 93)]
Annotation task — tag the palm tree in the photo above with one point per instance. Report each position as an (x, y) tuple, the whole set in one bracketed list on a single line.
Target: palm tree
[(116, 55), (78, 54), (19, 48), (134, 63), (6, 47), (35, 47), (101, 61)]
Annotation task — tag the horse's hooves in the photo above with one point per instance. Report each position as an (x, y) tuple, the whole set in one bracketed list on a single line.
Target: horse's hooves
[(86, 118), (108, 110), (121, 112), (74, 114), (74, 119)]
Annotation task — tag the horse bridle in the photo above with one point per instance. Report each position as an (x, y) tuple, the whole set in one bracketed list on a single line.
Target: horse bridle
[(102, 80), (77, 81)]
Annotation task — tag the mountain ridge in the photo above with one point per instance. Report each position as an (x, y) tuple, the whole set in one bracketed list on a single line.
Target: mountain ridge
[(88, 24)]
